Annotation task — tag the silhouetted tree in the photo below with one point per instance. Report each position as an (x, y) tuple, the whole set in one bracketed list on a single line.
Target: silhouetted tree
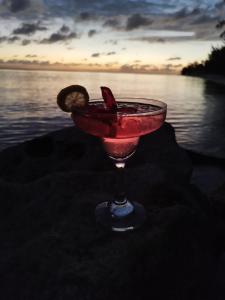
[(216, 61), (221, 25), (193, 69), (215, 64)]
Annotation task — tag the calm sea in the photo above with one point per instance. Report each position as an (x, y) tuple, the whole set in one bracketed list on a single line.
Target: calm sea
[(196, 108)]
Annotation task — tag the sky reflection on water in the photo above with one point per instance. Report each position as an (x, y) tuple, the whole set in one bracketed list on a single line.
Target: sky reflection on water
[(195, 106)]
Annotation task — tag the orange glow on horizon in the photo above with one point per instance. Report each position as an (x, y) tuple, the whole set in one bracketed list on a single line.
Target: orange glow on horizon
[(114, 68)]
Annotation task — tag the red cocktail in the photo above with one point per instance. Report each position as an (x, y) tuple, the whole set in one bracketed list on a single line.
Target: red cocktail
[(120, 128)]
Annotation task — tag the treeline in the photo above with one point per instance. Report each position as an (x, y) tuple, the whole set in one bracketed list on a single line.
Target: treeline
[(215, 64)]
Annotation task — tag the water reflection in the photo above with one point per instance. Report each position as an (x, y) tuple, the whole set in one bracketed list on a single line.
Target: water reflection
[(213, 123), (195, 106), (187, 109)]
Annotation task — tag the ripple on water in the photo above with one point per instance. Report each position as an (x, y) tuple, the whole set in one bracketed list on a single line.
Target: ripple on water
[(28, 104)]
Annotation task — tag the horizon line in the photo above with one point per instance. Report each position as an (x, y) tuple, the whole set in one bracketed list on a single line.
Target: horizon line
[(38, 68)]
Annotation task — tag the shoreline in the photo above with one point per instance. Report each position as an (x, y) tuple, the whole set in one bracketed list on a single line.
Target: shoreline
[(218, 79), (215, 78)]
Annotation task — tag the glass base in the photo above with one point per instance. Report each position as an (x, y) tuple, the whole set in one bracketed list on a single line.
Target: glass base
[(120, 223)]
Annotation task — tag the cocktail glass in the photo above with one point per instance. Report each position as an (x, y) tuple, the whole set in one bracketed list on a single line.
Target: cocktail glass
[(120, 132)]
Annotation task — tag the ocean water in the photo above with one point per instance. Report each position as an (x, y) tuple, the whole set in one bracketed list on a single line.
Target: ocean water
[(196, 107)]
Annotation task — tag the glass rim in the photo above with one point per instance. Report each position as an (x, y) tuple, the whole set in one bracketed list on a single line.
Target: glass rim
[(161, 104)]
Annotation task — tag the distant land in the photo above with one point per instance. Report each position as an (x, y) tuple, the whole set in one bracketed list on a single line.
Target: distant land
[(213, 66)]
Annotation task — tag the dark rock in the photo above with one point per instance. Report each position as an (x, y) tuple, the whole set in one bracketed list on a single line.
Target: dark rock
[(218, 201), (52, 248), (40, 147), (70, 149)]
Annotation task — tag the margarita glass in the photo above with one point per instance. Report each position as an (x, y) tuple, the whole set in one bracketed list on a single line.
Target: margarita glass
[(120, 131)]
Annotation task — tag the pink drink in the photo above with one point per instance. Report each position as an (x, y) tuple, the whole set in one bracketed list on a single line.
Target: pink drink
[(120, 130)]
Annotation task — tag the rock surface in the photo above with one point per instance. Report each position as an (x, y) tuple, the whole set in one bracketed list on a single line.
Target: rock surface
[(208, 172), (52, 248)]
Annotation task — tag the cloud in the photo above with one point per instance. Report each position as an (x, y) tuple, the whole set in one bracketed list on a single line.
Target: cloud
[(94, 65), (86, 10), (124, 23), (131, 68), (222, 35), (13, 39), (137, 21), (86, 16), (3, 39), (62, 35), (220, 5), (31, 55), (203, 19), (160, 40), (127, 7), (111, 53), (124, 16), (112, 42), (199, 19), (128, 68), (172, 67), (164, 39), (9, 39), (95, 55), (174, 58), (25, 42), (27, 62), (91, 32), (64, 29), (29, 28), (220, 24), (59, 37), (17, 5), (111, 64), (40, 64), (178, 66), (149, 68), (112, 22), (185, 12)]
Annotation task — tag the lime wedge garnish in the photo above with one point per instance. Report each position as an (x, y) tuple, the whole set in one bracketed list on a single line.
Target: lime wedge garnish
[(72, 97)]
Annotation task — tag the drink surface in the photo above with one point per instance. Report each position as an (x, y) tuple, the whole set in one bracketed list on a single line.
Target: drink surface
[(131, 119)]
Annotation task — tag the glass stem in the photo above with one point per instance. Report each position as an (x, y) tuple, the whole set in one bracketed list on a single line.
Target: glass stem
[(120, 198), (120, 207)]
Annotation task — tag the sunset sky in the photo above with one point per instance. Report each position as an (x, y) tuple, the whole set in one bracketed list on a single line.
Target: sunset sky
[(155, 36)]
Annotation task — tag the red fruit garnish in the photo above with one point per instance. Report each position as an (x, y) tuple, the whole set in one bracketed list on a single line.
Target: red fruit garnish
[(109, 99), (100, 113)]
